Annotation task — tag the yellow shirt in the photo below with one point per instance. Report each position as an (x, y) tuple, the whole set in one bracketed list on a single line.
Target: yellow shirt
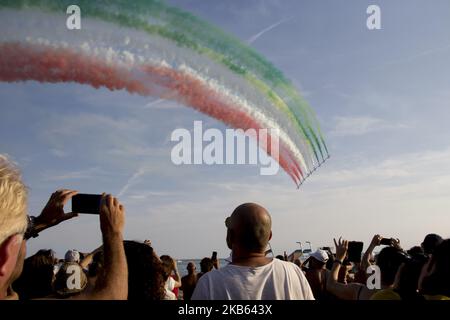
[(386, 294)]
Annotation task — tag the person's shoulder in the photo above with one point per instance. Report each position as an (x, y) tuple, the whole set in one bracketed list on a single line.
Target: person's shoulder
[(277, 263), (288, 267), (185, 277)]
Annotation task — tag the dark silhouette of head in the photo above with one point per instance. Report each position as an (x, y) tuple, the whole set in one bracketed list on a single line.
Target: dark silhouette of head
[(206, 265), (249, 229), (145, 272), (191, 268), (408, 275), (430, 242), (438, 281), (389, 260), (416, 251), (37, 276)]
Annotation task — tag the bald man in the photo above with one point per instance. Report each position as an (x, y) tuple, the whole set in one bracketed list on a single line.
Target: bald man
[(251, 275), (189, 281)]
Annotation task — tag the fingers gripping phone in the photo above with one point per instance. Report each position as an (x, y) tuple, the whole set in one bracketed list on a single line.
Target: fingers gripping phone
[(86, 203)]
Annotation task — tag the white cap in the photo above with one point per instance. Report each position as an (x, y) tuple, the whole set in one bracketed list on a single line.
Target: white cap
[(320, 255), (72, 256)]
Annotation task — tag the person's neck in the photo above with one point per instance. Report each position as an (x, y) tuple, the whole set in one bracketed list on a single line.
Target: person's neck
[(7, 294), (249, 259)]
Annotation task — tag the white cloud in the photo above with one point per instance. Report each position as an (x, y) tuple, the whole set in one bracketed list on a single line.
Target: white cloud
[(73, 175)]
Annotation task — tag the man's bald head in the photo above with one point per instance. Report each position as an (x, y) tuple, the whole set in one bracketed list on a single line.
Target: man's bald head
[(250, 227)]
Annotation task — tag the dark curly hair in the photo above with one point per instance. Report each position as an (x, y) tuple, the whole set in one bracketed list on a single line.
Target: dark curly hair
[(145, 272), (37, 276), (438, 283)]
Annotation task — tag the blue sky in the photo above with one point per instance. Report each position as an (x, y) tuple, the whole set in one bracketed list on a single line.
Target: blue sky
[(381, 97)]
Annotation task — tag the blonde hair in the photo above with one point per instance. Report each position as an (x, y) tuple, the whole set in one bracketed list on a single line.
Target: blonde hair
[(13, 200)]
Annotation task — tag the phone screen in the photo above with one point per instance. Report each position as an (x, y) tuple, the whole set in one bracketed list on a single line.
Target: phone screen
[(385, 242), (354, 251), (86, 203)]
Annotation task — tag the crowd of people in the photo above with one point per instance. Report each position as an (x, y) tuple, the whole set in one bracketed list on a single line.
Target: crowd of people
[(123, 269)]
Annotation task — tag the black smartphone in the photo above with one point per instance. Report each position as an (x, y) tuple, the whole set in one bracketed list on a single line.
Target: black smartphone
[(214, 255), (354, 251), (86, 203), (385, 242)]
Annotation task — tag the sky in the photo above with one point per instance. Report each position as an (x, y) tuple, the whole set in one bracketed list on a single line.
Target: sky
[(381, 96)]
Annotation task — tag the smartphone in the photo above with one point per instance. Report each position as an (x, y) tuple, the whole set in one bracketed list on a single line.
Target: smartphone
[(86, 203), (354, 251), (214, 255), (385, 242)]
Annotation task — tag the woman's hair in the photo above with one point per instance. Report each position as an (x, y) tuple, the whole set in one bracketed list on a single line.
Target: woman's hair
[(408, 281), (167, 264), (145, 272), (37, 276), (438, 283)]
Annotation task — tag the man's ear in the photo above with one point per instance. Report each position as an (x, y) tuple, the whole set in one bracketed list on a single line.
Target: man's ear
[(229, 239), (9, 250)]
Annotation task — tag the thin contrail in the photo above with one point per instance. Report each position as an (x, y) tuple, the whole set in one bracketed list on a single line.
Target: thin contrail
[(259, 34), (154, 103), (413, 57), (131, 181)]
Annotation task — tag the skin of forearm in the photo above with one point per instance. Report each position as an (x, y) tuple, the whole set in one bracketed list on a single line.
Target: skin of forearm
[(115, 275), (365, 261)]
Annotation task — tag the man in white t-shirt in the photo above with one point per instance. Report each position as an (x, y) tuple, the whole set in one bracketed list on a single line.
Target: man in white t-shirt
[(251, 275)]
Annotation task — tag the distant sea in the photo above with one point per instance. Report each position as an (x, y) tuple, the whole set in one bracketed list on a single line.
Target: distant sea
[(182, 265)]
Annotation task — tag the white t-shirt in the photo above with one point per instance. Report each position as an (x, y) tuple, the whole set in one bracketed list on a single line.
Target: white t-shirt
[(277, 280), (168, 287)]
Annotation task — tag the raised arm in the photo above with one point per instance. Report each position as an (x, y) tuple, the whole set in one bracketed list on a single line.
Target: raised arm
[(340, 290), (53, 212), (113, 281), (89, 258), (176, 276), (368, 255)]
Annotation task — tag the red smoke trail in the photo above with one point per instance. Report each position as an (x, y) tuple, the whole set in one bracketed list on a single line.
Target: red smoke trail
[(19, 62)]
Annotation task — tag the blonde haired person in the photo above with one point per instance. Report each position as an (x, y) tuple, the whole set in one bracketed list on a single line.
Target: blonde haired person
[(16, 227), (13, 225)]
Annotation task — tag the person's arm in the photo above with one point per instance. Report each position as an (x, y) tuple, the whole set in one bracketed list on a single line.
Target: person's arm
[(340, 290), (88, 259), (53, 212), (176, 275), (113, 281), (365, 261), (216, 263)]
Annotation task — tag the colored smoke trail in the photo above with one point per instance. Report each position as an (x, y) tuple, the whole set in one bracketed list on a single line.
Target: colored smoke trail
[(151, 49)]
